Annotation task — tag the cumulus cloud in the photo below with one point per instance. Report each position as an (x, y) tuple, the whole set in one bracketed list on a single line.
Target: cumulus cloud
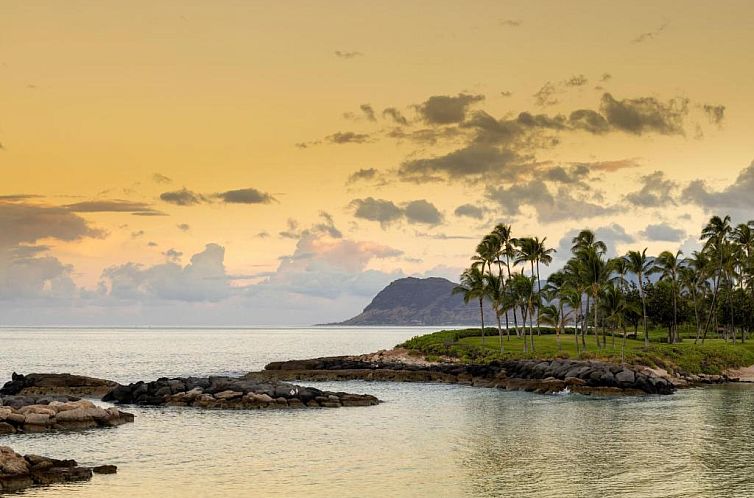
[(447, 109), (469, 211), (475, 160), (422, 212), (646, 114), (203, 279), (656, 191), (737, 195), (663, 232)]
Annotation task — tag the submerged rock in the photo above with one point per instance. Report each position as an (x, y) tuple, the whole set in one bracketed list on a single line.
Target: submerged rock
[(20, 472), (232, 393)]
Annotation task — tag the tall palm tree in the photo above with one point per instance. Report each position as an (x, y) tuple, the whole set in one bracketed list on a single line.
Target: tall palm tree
[(668, 265), (615, 307), (524, 290), (541, 255), (716, 234), (640, 265), (497, 295), (596, 273), (473, 286), (694, 277)]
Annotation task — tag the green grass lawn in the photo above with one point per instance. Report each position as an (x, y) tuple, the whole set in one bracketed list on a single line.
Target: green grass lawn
[(713, 357)]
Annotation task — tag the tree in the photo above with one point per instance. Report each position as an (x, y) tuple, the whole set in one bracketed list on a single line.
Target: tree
[(639, 265), (473, 286), (497, 296), (716, 234), (668, 265)]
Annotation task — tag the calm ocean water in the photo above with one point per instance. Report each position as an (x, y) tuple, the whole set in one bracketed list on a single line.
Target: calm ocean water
[(425, 440)]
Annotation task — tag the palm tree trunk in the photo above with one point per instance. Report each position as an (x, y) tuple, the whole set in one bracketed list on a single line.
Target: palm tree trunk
[(539, 297), (596, 330), (481, 312), (500, 331), (644, 310)]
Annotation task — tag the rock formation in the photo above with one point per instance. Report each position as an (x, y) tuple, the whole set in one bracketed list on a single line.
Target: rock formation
[(35, 414), (57, 384)]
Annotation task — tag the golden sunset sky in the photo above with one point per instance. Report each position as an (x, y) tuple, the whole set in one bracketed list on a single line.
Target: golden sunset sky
[(305, 154)]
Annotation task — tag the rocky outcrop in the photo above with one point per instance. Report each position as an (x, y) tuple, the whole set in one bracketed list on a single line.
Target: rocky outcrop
[(546, 376), (32, 414), (20, 472), (57, 384), (232, 393)]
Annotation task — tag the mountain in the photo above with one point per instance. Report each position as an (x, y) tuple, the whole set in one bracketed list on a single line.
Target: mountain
[(420, 301)]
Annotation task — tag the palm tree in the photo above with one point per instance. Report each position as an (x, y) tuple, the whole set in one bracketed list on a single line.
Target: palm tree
[(694, 277), (497, 296), (522, 288), (639, 265), (668, 265), (615, 306), (473, 286), (716, 234), (596, 272), (541, 255)]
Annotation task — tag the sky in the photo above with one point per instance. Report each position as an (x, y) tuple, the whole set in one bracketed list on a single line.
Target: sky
[(278, 163)]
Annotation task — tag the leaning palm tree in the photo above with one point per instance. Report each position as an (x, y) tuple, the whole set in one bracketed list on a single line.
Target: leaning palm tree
[(668, 265), (473, 286), (640, 265)]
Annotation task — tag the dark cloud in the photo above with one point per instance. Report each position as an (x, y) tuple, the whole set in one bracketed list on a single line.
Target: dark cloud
[(245, 196), (606, 77), (173, 255), (366, 174), (646, 114), (114, 206), (663, 232), (368, 112), (469, 211), (347, 137), (137, 234), (566, 174), (380, 210), (152, 243), (27, 223), (447, 109), (576, 80), (506, 93), (183, 197), (715, 113), (159, 178), (473, 160), (609, 166), (326, 226), (264, 234), (510, 23), (550, 206), (422, 212), (589, 120), (343, 54), (425, 136), (650, 35), (545, 96), (737, 195), (292, 230), (184, 227), (395, 115), (18, 197), (656, 191)]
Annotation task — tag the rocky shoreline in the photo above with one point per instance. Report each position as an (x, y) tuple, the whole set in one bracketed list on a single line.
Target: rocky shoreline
[(20, 472), (232, 393), (540, 376)]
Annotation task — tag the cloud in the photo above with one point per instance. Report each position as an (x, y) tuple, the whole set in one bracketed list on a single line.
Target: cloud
[(245, 196), (715, 113), (173, 255), (574, 174), (589, 120), (663, 232), (152, 243), (367, 174), (28, 223), (656, 191), (395, 115), (23, 277), (545, 96), (646, 114), (506, 93), (422, 212), (737, 195), (576, 80), (447, 109), (137, 234), (183, 197), (203, 279), (368, 111), (380, 210), (159, 178), (292, 231), (509, 23), (469, 211), (343, 54), (475, 160), (550, 206), (114, 206), (650, 35), (612, 235), (184, 227)]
